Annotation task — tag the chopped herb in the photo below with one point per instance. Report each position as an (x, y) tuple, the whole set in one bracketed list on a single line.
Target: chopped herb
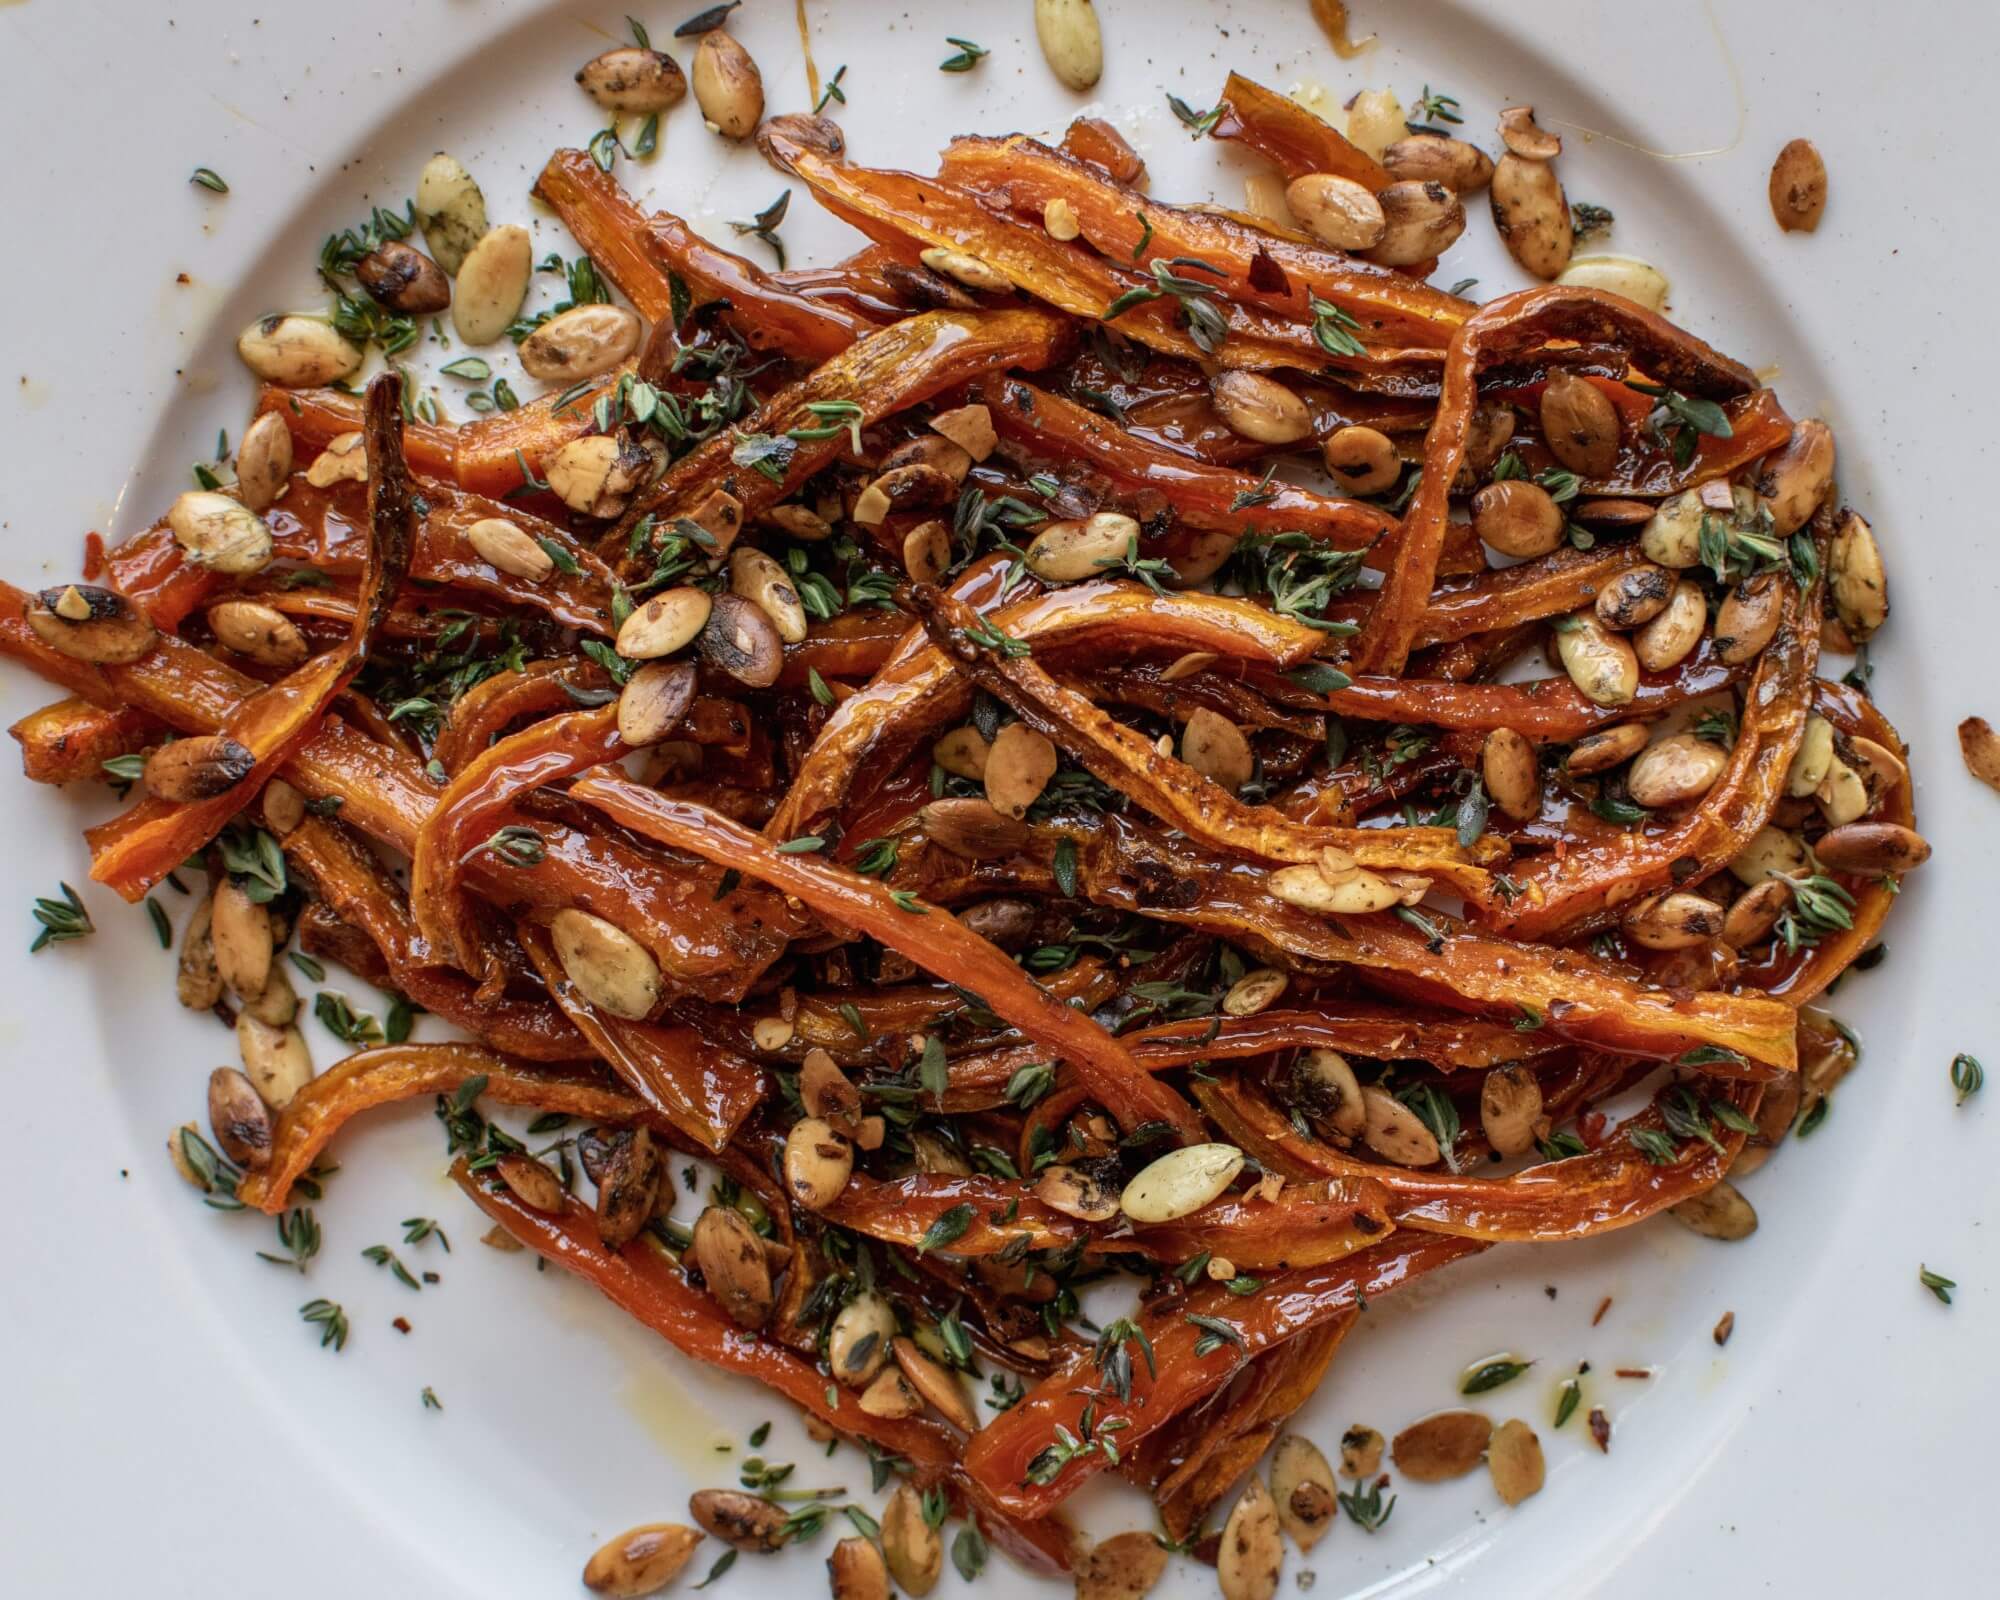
[(331, 1320), (1820, 907), (948, 1228), (1334, 330), (1197, 122), (61, 920), (968, 1553), (832, 91), (1936, 1282), (1654, 1145), (1967, 1076), (1437, 1111), (967, 57), (806, 844), (701, 22), (311, 967), (1216, 1333), (1431, 107), (1568, 1397), (299, 1234), (164, 929), (1560, 1146), (1364, 1504), (208, 178), (764, 225), (518, 845), (383, 1256), (343, 1021), (1063, 866), (906, 900), (1492, 1374), (723, 1563), (430, 1399)]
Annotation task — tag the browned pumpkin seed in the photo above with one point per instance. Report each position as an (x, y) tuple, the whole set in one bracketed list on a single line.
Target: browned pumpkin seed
[(1798, 187), (1068, 551), (1718, 1212), (86, 623), (1980, 747), (1018, 769), (939, 1387), (1255, 991), (1794, 477), (1859, 582), (1420, 220), (1507, 765), (890, 1395), (973, 829), (264, 461), (1252, 1551), (1324, 1086), (1086, 1190), (1395, 1132), (241, 929), (633, 80), (610, 969), (1005, 920), (1580, 425), (1360, 1452), (344, 459), (1458, 164), (640, 1561), (1517, 518), (198, 768), (1124, 1567), (582, 342), (732, 1261), (275, 1059), (1674, 770), (911, 1546), (746, 1521), (263, 633), (1532, 214), (1525, 137), (927, 552), (740, 640), (1671, 636), (762, 581), (1514, 1460), (1302, 1490), (664, 624), (727, 86), (531, 1182), (628, 1189), (1748, 618), (1446, 1444), (1600, 751), (1676, 921), (492, 283), (653, 701), (858, 1345), (966, 269), (1361, 460), (296, 352), (239, 1120), (198, 981), (1510, 1109), (1216, 748), (1752, 915), (818, 1163), (970, 427), (963, 752), (1872, 847), (1635, 597), (1603, 666), (857, 1571), (404, 279)]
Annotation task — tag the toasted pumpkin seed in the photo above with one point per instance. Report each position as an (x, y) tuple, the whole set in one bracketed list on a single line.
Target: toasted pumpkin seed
[(927, 552), (966, 269), (1860, 584), (1361, 460), (1625, 276), (492, 284), (1753, 914), (1748, 618), (762, 581), (1718, 1212), (531, 1182), (1676, 921), (1532, 214), (1124, 1567), (1259, 408), (1337, 211), (1873, 847), (198, 979), (203, 767), (1771, 852), (1255, 991), (653, 701), (276, 1006), (858, 1344), (732, 1261), (963, 752), (1252, 1550), (818, 1163), (219, 533), (745, 1521), (610, 968), (664, 624), (1517, 518), (450, 210), (911, 1546), (1216, 748), (1635, 597), (1068, 551), (1526, 138), (640, 1561), (579, 343), (940, 1388), (275, 1059), (87, 623), (1671, 636), (264, 461), (1580, 425), (633, 80), (1181, 1182), (1446, 1444), (241, 929), (857, 1571), (970, 427), (507, 547), (1674, 770), (1360, 1452), (239, 1119), (1084, 1190), (727, 86), (1018, 768), (1794, 477), (1302, 1490), (890, 1395), (1354, 893), (1600, 663), (296, 352), (404, 279), (740, 640), (1395, 1132), (1458, 164), (1507, 764), (263, 633), (1510, 1109), (1326, 1089), (1514, 1460), (1600, 751), (343, 460), (628, 1188), (1420, 220), (1798, 187)]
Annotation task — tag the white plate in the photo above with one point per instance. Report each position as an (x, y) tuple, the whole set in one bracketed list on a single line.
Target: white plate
[(172, 1421)]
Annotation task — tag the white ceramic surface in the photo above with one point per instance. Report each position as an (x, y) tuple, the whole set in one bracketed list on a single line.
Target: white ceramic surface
[(172, 1426)]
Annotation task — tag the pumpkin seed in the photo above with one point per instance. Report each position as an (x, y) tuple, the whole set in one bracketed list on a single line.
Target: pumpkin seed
[(1124, 1567), (1672, 536), (963, 752), (1252, 1551), (1517, 518), (727, 86), (1771, 852), (263, 633), (1360, 1452), (818, 1163), (973, 829), (1873, 847), (664, 624), (1419, 220), (1069, 551), (1753, 914), (404, 279), (1748, 618), (628, 1189), (241, 929), (1255, 991), (1018, 768), (772, 1034), (1532, 214), (743, 1521), (740, 640), (344, 460), (732, 1261), (492, 284), (969, 427), (1507, 765), (1510, 1109), (1446, 1444), (1059, 220), (1086, 1190), (653, 701), (1674, 770), (1798, 187), (1514, 1460), (264, 461), (1600, 663), (640, 1561), (531, 1182), (220, 534), (1361, 460), (939, 1387), (296, 352), (275, 1007), (1353, 893), (1326, 1089), (582, 342), (1395, 1132), (1625, 276), (239, 1119), (1676, 921), (890, 1395), (275, 1059), (1670, 637), (1842, 796), (1302, 1490), (1794, 478), (1634, 597), (1259, 408), (507, 547), (1181, 1182), (1580, 426), (1215, 747), (87, 623), (198, 980), (633, 80), (762, 581), (857, 1571), (1526, 138), (966, 269), (858, 1344), (1600, 751), (1860, 585), (1719, 1212), (911, 1546), (927, 552), (610, 969), (203, 767), (799, 522), (450, 210), (1071, 41)]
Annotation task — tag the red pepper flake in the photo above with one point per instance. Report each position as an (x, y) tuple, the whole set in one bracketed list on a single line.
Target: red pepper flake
[(1600, 1428), (1603, 1306), (93, 556), (1725, 1327), (401, 1324), (1635, 1372), (1591, 1126)]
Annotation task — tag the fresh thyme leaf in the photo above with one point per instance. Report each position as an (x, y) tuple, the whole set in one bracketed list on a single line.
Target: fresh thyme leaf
[(1364, 1504), (948, 1228), (208, 178), (343, 1021), (1216, 1332), (61, 920), (1568, 1397), (1335, 330), (1063, 866), (1197, 122), (1936, 1282), (518, 845), (967, 57), (162, 928), (1587, 221), (1437, 1111), (805, 844), (1968, 1077), (1654, 1145), (704, 21), (1492, 1374), (331, 1321), (833, 91)]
